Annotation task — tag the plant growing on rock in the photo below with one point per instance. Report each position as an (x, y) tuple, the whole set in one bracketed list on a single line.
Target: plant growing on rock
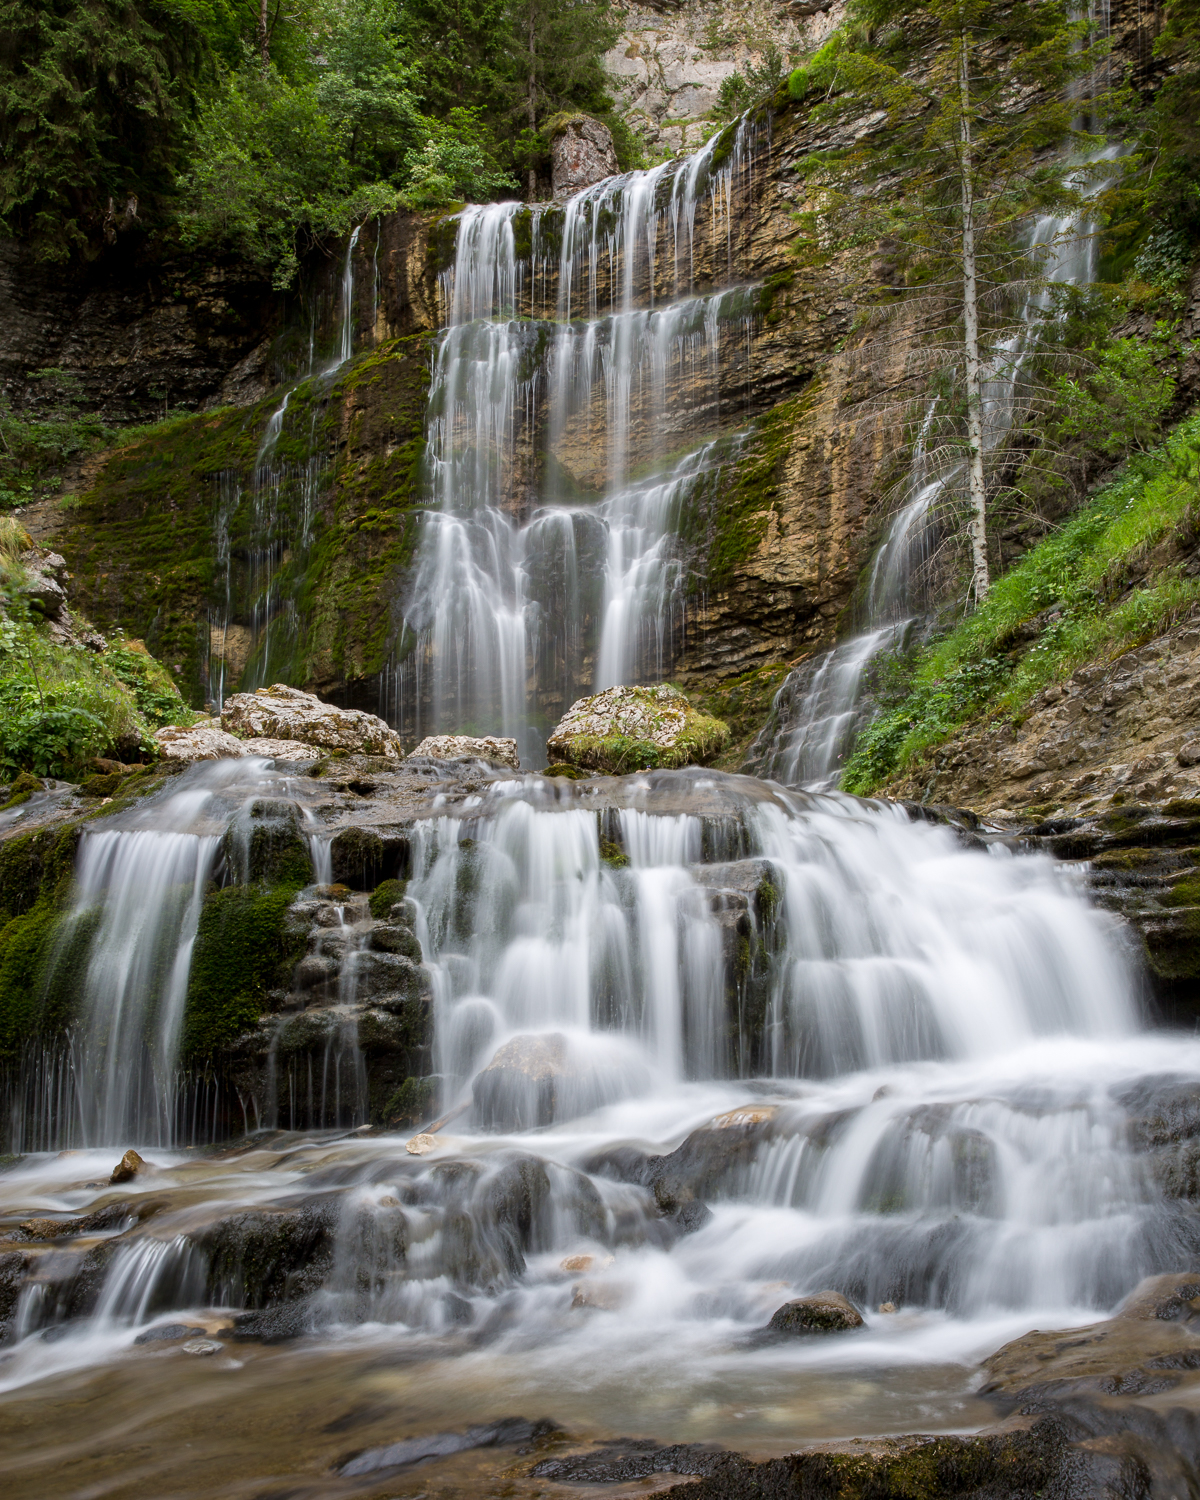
[(967, 177)]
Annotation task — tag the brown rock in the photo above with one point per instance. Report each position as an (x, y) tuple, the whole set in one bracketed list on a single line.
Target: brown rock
[(823, 1312), (127, 1168)]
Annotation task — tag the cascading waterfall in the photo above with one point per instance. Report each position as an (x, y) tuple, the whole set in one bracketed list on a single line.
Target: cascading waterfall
[(819, 707), (263, 538), (578, 355)]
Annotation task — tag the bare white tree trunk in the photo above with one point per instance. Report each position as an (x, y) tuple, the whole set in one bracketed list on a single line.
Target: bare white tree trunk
[(976, 484)]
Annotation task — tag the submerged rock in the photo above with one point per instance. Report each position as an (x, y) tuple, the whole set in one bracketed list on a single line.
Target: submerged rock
[(823, 1312), (520, 1088), (465, 747), (635, 729), (285, 713)]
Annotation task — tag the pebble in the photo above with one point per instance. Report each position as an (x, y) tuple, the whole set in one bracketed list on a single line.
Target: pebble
[(201, 1346)]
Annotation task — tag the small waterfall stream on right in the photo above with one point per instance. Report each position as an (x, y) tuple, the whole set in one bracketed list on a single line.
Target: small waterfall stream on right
[(820, 706)]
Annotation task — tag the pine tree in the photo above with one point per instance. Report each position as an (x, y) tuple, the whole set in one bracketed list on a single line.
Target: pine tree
[(972, 123)]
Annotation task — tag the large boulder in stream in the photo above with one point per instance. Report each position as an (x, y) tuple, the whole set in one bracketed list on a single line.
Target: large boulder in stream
[(823, 1312), (636, 729), (280, 712)]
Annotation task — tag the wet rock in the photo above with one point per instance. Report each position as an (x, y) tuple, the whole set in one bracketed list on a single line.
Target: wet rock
[(823, 1312), (266, 844), (621, 1460), (505, 1433), (201, 1347), (581, 153), (519, 1089), (394, 937), (127, 1168), (13, 1267), (200, 742), (362, 858), (421, 1145), (270, 1256), (500, 752), (48, 1229), (280, 712), (636, 728), (165, 1333), (278, 1324), (1163, 1110)]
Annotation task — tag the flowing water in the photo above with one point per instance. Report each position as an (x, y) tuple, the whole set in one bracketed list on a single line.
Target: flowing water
[(903, 1068), (585, 389), (820, 707)]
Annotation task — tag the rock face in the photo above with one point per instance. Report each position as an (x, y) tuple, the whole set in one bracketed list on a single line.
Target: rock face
[(636, 728), (1122, 729), (285, 713), (823, 1312), (581, 154), (501, 752)]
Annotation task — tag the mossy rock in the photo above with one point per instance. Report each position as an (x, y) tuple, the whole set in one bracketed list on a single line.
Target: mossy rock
[(387, 893), (264, 844), (245, 946), (628, 729), (412, 1103)]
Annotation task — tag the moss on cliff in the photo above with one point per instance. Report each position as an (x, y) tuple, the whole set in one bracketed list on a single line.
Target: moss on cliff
[(334, 524), (244, 947)]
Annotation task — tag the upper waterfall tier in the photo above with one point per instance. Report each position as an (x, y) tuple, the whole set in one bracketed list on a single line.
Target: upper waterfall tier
[(596, 366)]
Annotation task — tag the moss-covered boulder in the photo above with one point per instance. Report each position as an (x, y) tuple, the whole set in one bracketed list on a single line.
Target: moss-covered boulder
[(636, 729)]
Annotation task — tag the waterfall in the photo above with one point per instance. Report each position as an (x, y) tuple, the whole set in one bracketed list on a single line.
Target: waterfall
[(819, 709), (578, 362), (274, 526)]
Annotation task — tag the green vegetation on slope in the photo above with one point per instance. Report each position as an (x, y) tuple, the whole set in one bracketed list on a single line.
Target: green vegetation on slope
[(1077, 596)]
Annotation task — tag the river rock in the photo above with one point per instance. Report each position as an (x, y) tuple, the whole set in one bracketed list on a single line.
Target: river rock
[(823, 1312), (280, 712), (199, 742), (581, 153), (127, 1168), (465, 747), (635, 729)]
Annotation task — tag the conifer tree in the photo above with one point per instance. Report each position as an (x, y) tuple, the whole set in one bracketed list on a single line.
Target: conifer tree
[(971, 122)]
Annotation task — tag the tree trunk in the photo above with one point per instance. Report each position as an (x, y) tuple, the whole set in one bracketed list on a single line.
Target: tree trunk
[(976, 484), (264, 35), (531, 100)]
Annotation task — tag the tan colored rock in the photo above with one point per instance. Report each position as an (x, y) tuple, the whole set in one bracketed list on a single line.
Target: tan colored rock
[(635, 728), (421, 1145), (127, 1168), (280, 749), (465, 746), (280, 712), (200, 742), (581, 154)]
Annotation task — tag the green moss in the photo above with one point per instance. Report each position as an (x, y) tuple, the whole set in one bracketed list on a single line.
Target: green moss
[(770, 302), (569, 773), (37, 867), (385, 895), (244, 947), (613, 855), (742, 702), (412, 1103), (1184, 892), (43, 955)]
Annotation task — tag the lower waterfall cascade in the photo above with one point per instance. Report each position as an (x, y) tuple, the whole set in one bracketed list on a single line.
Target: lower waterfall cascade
[(705, 1043)]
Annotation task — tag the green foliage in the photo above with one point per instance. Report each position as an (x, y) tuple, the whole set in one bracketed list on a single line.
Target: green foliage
[(1067, 602), (154, 691), (752, 84), (271, 173), (456, 164), (51, 430), (244, 947), (412, 1103), (1118, 404)]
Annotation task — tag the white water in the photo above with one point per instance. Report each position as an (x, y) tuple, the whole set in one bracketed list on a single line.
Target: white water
[(938, 1039), (549, 562), (819, 709)]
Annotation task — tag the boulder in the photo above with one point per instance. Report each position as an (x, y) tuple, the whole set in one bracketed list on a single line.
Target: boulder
[(581, 153), (280, 712), (465, 747), (519, 1089), (635, 729), (200, 742), (823, 1312), (127, 1168)]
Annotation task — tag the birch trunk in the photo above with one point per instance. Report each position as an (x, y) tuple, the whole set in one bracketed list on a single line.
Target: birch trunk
[(976, 484)]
